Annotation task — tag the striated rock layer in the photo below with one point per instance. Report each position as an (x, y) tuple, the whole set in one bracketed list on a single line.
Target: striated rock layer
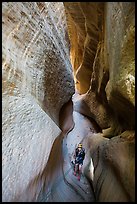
[(36, 81), (102, 38), (36, 53), (28, 135), (104, 66)]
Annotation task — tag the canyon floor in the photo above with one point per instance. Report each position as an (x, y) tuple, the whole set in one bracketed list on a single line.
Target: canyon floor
[(60, 185)]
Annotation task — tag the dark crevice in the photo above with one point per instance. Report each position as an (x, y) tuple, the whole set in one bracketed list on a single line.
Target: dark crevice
[(66, 122)]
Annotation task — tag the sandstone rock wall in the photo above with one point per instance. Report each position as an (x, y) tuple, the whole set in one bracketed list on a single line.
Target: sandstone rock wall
[(107, 82), (83, 27), (103, 59), (27, 137), (113, 79), (36, 53), (36, 81), (114, 167), (86, 51), (119, 51)]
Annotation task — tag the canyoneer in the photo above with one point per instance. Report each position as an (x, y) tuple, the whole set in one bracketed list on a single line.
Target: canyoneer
[(79, 157)]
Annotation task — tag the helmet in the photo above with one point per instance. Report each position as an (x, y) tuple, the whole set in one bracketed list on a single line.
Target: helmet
[(80, 145)]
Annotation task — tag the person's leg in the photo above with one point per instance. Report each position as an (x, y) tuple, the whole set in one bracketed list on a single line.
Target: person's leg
[(80, 170), (75, 169)]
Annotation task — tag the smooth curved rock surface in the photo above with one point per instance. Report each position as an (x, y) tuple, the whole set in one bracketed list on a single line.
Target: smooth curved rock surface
[(106, 71), (28, 135), (59, 183), (35, 52), (120, 50), (36, 81), (109, 94), (83, 20), (114, 163)]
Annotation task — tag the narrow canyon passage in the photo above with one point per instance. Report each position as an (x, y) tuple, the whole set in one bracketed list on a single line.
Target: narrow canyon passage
[(60, 183), (68, 76)]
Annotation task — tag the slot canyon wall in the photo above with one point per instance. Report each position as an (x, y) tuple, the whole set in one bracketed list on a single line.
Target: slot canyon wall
[(36, 81), (41, 43), (102, 38)]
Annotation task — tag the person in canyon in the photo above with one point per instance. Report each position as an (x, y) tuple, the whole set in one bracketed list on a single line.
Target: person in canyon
[(79, 157)]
